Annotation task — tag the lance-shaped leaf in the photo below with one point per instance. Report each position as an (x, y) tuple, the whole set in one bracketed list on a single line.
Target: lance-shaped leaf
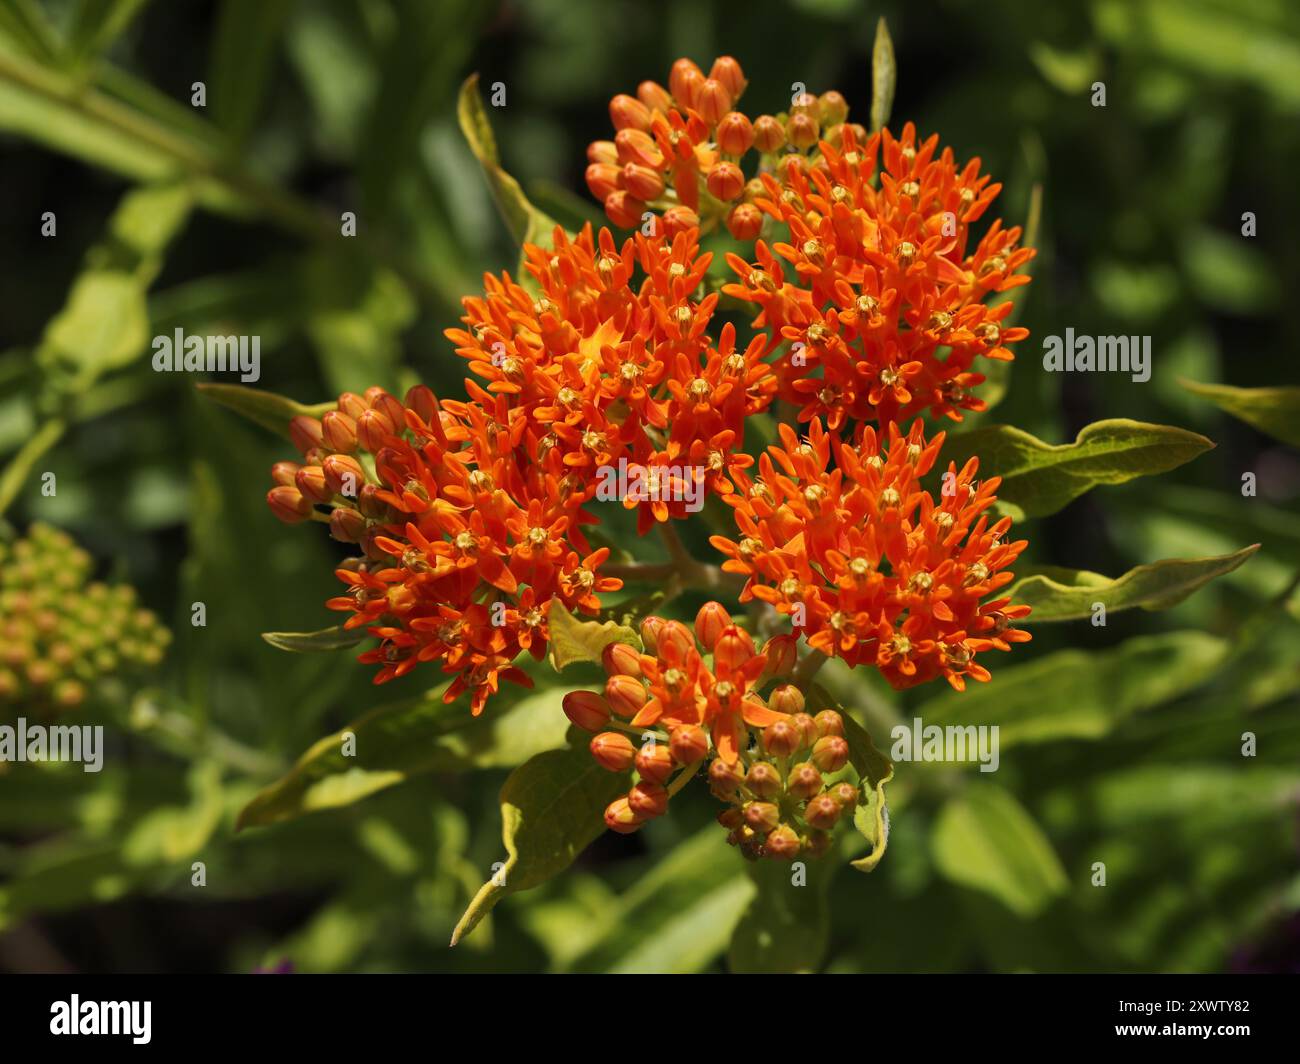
[(1040, 478), (393, 743), (574, 640), (1076, 695), (874, 770), (335, 638), (527, 224), (267, 409), (1058, 594), (986, 840), (552, 808), (884, 76), (787, 923), (1275, 411)]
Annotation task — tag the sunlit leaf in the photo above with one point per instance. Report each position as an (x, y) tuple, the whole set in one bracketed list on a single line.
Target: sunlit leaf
[(1275, 411)]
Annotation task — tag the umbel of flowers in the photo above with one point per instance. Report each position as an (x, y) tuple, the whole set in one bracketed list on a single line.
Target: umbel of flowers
[(872, 302)]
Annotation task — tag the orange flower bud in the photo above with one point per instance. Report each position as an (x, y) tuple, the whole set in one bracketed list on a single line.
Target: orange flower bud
[(306, 432), (603, 180), (781, 738), (613, 750), (803, 130), (769, 134), (832, 108), (373, 429), (804, 104), (370, 505), (726, 182), (735, 133), (830, 753), (627, 112), (624, 210), (654, 762), (829, 723), (822, 812), (676, 635), (288, 504), (688, 744), (807, 729), (650, 628), (339, 432), (724, 779), (423, 402), (727, 70), (713, 101), (587, 710), (786, 699), (745, 221), (735, 647), (781, 651), (347, 525), (621, 817), (310, 480), (642, 182), (284, 472), (343, 475), (684, 77), (762, 817), (804, 782), (626, 695), (603, 152), (782, 844), (712, 620), (731, 818), (636, 146), (846, 794), (648, 800), (679, 219), (619, 659), (352, 405), (763, 780), (654, 96)]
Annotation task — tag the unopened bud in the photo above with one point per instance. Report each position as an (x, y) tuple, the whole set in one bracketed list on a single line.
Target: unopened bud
[(347, 525), (786, 699), (688, 744), (642, 183), (762, 817), (726, 182), (648, 800), (627, 112), (846, 794), (624, 209), (626, 695), (763, 780), (339, 432), (830, 753), (807, 729), (620, 659), (832, 108), (343, 475), (613, 750), (713, 101), (310, 480), (829, 723), (654, 96), (769, 134), (781, 738), (735, 134), (802, 131), (603, 152), (373, 429), (650, 628), (745, 222), (782, 844), (804, 782), (284, 472), (603, 179), (712, 620), (679, 219), (822, 812), (587, 710), (621, 817), (654, 762), (289, 504), (724, 779)]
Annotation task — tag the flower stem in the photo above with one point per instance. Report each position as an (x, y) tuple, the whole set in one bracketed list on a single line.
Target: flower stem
[(807, 669)]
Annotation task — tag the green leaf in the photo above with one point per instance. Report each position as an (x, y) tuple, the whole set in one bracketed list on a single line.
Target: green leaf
[(1274, 411), (394, 743), (1058, 594), (1040, 478), (786, 926), (574, 640), (874, 770), (96, 24), (242, 52), (335, 638), (884, 76), (526, 223), (267, 409), (984, 839), (552, 808), (1076, 694)]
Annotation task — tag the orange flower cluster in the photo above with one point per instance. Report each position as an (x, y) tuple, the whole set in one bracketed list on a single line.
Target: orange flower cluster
[(704, 688), (467, 540), (864, 561)]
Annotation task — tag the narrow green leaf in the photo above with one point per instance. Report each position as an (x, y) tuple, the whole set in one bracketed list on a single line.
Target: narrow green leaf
[(96, 25), (1275, 411), (1069, 594), (552, 808), (1040, 478), (335, 638), (884, 76), (393, 743), (526, 223), (574, 640), (242, 52), (984, 839), (25, 25), (267, 409), (786, 926), (1073, 694)]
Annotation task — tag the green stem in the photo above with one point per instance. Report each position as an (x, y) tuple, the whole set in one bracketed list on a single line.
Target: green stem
[(17, 471), (807, 669)]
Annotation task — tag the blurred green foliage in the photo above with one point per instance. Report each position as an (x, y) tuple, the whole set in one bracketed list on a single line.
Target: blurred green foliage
[(1121, 744)]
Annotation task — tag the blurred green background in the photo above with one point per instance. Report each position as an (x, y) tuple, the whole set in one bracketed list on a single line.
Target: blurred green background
[(1128, 751)]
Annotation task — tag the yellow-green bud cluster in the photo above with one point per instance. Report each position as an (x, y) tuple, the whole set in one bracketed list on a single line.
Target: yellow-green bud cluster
[(59, 633)]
